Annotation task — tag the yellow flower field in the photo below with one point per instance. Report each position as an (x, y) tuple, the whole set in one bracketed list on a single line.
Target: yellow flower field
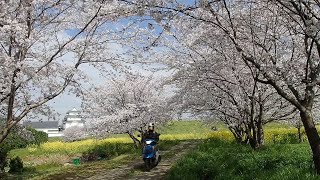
[(84, 145), (78, 146), (271, 136)]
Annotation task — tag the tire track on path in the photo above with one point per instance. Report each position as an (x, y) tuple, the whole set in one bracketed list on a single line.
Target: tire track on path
[(135, 170)]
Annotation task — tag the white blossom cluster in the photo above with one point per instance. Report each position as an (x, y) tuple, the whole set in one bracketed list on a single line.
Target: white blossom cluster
[(125, 105)]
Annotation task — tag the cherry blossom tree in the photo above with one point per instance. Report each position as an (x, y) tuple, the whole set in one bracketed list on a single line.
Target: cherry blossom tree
[(125, 105), (75, 133), (215, 86), (44, 45), (278, 39)]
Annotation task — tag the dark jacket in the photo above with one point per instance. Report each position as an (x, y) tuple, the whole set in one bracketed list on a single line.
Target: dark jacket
[(150, 135)]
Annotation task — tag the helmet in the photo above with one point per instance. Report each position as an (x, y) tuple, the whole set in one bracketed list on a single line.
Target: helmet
[(150, 126)]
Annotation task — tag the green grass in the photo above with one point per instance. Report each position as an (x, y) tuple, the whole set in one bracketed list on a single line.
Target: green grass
[(184, 127), (273, 125), (220, 160), (48, 163), (53, 166), (84, 170), (88, 169), (57, 166), (53, 139)]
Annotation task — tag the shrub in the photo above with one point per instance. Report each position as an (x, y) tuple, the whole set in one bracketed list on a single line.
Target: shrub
[(291, 138), (3, 158), (98, 152), (283, 136), (16, 165), (39, 136), (107, 150), (89, 156), (19, 137)]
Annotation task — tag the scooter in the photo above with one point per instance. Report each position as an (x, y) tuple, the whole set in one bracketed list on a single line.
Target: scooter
[(151, 156)]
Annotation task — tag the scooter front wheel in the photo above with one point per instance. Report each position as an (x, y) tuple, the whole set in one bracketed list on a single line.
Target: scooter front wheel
[(147, 164)]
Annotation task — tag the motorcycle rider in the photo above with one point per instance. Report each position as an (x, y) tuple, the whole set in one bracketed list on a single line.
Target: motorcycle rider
[(150, 133)]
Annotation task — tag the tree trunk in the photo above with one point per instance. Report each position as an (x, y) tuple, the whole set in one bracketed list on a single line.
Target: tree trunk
[(141, 135), (136, 141), (236, 134), (260, 132), (3, 135), (237, 137), (250, 137), (10, 119), (313, 137), (253, 139), (252, 130), (6, 130), (253, 136), (299, 134), (246, 139)]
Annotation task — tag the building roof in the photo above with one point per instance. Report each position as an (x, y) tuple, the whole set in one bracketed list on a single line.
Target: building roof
[(73, 116), (42, 124), (74, 110), (67, 118)]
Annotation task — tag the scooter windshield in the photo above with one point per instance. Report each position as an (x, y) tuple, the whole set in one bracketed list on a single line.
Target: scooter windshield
[(150, 141)]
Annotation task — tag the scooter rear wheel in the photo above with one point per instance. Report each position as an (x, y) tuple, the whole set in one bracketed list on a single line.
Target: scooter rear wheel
[(159, 159)]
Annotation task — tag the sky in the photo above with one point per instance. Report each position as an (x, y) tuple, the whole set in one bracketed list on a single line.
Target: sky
[(67, 101)]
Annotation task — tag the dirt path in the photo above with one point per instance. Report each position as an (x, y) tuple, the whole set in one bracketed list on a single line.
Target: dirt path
[(136, 171)]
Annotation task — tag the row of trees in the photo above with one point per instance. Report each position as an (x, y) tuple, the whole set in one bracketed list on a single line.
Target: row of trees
[(272, 46), (236, 60), (225, 90)]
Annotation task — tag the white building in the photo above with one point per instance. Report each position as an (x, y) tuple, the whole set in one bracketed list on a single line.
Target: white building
[(52, 128), (55, 128), (72, 119)]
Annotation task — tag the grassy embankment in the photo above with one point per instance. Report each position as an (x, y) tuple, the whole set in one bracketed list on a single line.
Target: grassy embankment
[(54, 158), (216, 159), (283, 158)]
